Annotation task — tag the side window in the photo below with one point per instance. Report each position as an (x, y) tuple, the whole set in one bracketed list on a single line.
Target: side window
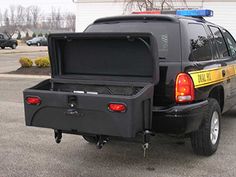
[(219, 42), (1, 36), (230, 42), (199, 43)]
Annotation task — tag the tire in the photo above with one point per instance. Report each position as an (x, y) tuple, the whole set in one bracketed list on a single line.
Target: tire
[(38, 44), (91, 139), (205, 141), (2, 47), (13, 46)]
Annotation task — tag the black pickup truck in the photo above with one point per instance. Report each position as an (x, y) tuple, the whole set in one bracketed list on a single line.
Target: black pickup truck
[(6, 41), (138, 75)]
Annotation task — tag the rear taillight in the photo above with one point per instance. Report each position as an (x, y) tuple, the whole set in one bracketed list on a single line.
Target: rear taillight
[(117, 107), (33, 100), (184, 88)]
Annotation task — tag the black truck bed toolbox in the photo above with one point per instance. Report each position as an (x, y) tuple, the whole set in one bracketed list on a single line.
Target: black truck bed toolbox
[(87, 78), (93, 115)]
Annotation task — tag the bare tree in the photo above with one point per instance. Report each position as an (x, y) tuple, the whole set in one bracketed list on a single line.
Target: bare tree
[(20, 14), (140, 4), (12, 14), (52, 19), (7, 27), (146, 5), (169, 4), (28, 17), (35, 11), (18, 18), (14, 21), (1, 18), (45, 22), (185, 3), (70, 21), (6, 19), (58, 19)]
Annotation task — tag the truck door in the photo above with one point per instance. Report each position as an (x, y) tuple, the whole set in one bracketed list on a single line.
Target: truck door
[(231, 45), (211, 62), (223, 57)]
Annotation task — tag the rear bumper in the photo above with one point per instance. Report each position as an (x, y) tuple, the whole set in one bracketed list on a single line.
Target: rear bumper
[(179, 118)]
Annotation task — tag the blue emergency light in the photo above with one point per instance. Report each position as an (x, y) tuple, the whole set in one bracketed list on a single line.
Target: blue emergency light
[(195, 13)]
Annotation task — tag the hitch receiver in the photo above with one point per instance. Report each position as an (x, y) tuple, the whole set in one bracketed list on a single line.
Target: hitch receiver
[(146, 141), (102, 140), (58, 136)]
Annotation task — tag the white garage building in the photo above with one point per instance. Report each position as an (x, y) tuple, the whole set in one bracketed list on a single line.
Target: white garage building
[(89, 10)]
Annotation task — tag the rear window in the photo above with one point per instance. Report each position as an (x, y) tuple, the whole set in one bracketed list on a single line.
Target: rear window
[(166, 33)]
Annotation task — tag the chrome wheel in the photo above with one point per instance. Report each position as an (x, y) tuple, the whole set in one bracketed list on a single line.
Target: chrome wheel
[(215, 127), (205, 141)]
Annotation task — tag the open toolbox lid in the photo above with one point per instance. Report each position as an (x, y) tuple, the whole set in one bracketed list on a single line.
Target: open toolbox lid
[(124, 57)]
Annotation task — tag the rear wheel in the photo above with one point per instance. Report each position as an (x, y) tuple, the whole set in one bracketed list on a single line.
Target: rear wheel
[(2, 47), (91, 139), (205, 141)]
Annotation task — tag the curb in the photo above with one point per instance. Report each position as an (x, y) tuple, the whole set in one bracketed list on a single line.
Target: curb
[(24, 76), (21, 52)]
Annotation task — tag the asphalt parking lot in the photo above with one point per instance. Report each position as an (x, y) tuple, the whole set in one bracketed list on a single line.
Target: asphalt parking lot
[(28, 152)]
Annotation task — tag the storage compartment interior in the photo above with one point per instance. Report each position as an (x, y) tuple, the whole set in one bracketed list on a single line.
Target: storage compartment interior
[(111, 55), (97, 89), (91, 88)]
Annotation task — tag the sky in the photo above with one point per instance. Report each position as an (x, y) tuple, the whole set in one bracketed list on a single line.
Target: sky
[(45, 5)]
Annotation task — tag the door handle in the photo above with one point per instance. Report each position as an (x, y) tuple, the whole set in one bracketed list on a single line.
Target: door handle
[(223, 73)]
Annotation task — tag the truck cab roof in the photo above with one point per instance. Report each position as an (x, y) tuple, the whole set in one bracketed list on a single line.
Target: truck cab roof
[(148, 17), (153, 17)]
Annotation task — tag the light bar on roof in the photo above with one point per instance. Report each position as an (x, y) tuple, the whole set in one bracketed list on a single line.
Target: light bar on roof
[(195, 13), (148, 12)]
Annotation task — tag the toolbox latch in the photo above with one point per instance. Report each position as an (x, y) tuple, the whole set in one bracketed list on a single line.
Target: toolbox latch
[(72, 101)]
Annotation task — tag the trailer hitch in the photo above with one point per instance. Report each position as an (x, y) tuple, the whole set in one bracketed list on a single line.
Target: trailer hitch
[(58, 136), (102, 140), (146, 141)]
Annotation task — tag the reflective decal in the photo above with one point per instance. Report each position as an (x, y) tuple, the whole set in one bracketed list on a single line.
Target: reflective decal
[(208, 77)]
